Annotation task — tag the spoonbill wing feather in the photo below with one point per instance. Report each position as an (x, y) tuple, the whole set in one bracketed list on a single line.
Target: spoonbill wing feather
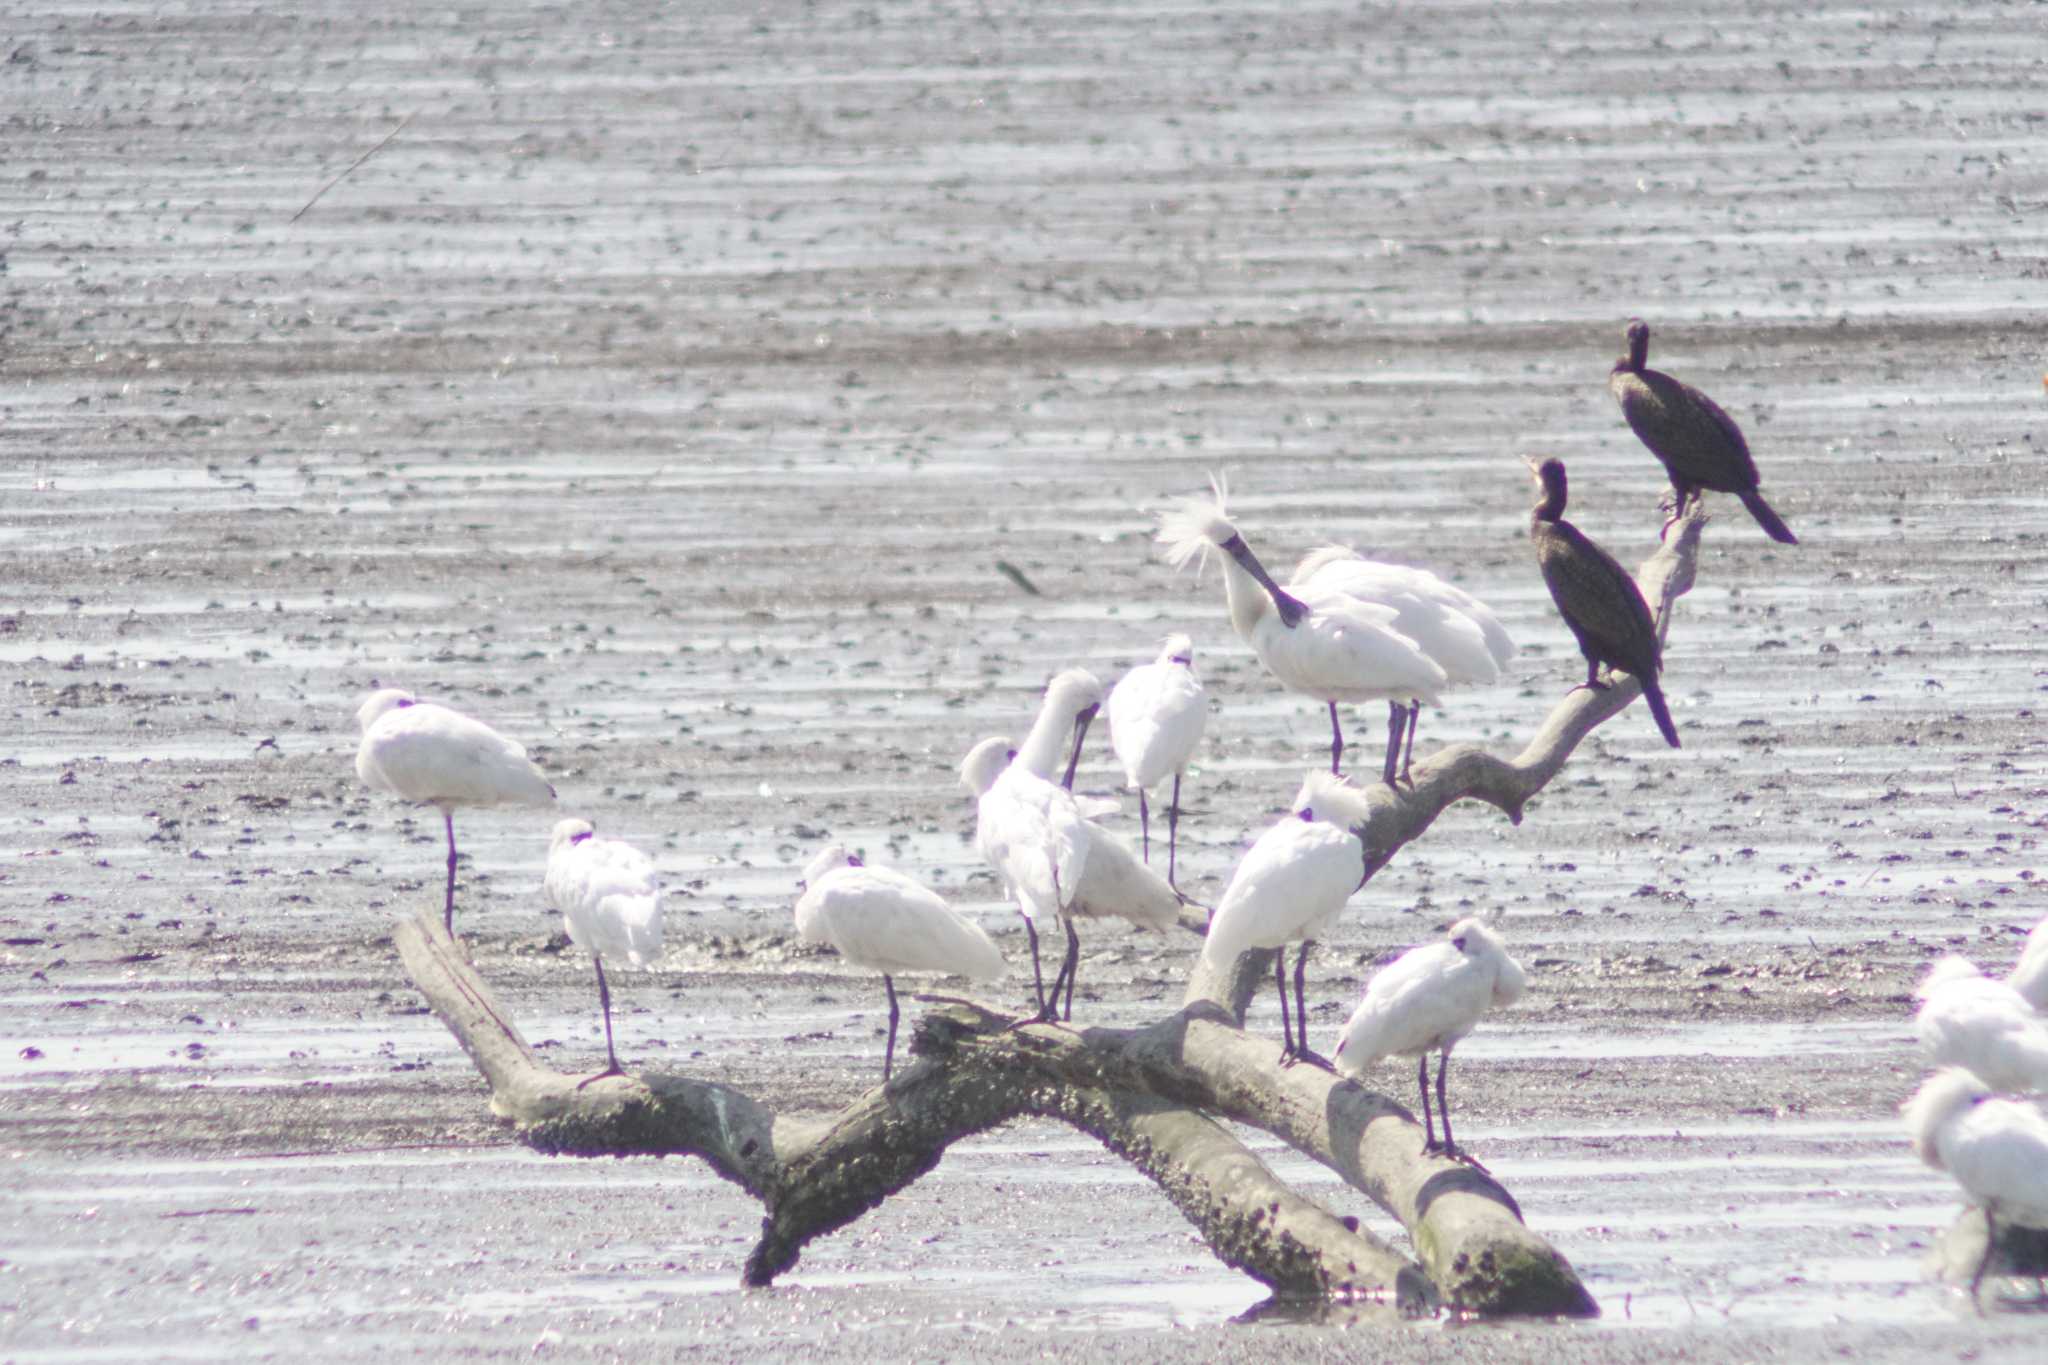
[(1295, 878)]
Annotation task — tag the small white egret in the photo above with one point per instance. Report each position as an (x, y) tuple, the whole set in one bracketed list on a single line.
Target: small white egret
[(1425, 1001), (1318, 640), (1157, 712), (422, 752), (880, 919), (607, 892), (2030, 976), (1456, 630), (1071, 700), (1033, 834), (1293, 880), (1997, 1150), (1966, 1019)]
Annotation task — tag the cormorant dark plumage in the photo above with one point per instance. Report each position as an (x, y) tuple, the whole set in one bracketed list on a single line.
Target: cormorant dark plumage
[(1700, 445), (1598, 598)]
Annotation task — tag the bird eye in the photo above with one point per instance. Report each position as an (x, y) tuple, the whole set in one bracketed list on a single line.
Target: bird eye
[(1459, 943)]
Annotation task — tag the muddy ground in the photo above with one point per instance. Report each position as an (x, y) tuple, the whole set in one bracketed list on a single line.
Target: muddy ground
[(668, 391)]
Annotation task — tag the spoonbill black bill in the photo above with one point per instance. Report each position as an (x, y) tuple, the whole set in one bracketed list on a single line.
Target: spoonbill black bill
[(607, 892), (889, 923), (419, 751), (1425, 1001)]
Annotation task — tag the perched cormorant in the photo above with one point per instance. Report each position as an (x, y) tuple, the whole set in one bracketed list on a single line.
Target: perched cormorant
[(1699, 445), (1598, 598)]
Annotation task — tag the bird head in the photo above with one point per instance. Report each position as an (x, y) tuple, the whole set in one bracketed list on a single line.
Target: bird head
[(1947, 970), (1638, 333), (1178, 649), (377, 703), (1191, 527), (568, 832), (1073, 691), (1332, 800), (1940, 1098), (830, 858), (985, 763)]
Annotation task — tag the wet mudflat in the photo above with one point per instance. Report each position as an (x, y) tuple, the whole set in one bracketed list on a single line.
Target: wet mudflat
[(666, 394)]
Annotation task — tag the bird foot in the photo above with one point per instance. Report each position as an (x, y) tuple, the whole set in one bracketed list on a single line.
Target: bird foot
[(1465, 1158), (1048, 1015), (1306, 1054), (602, 1075), (1590, 687)]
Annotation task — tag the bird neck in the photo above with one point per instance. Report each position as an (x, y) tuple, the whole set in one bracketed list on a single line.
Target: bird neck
[(1249, 602), (1043, 750), (1549, 509)]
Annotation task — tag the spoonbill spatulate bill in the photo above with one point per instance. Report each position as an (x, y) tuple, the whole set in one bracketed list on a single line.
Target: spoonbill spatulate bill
[(1425, 1001), (608, 895), (1157, 713), (1032, 833), (1318, 640), (1995, 1148), (880, 919), (1458, 632), (1291, 884), (419, 751)]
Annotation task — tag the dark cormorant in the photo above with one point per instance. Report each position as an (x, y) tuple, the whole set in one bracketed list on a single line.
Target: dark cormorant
[(1598, 598), (1699, 445)]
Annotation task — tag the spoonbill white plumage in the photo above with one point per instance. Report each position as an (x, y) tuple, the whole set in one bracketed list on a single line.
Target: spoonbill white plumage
[(1032, 833), (1157, 712), (1456, 630), (1292, 882), (1425, 1001), (1318, 640), (2030, 976), (1967, 1019), (1997, 1150), (880, 919), (607, 892), (422, 752), (1071, 700)]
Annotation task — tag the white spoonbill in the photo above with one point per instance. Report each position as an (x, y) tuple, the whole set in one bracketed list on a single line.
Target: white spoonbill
[(1071, 700), (880, 919), (422, 752), (1320, 641), (2030, 976), (1997, 1150), (1291, 883), (1157, 712), (1456, 630), (605, 889), (1966, 1019), (1425, 1001), (1032, 833)]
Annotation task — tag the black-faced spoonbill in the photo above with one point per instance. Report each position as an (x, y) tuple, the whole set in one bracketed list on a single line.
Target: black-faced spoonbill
[(882, 920), (422, 752), (1319, 641), (1698, 444), (1424, 1001), (1598, 598), (1292, 882), (1456, 630), (1986, 1027), (1033, 834), (1071, 700), (607, 893), (1997, 1150), (1157, 713)]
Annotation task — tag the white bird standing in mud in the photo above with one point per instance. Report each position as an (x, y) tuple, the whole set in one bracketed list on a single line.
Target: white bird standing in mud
[(882, 920), (607, 892), (1291, 883), (1425, 1001), (1157, 712), (1318, 640), (1456, 630), (1032, 833), (1966, 1019), (1997, 1150), (422, 752)]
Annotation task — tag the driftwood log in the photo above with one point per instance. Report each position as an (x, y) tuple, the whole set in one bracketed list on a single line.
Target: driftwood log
[(1156, 1096)]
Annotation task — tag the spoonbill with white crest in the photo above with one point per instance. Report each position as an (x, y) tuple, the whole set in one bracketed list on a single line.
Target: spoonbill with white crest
[(1425, 1001), (1157, 712), (1291, 883), (607, 892), (1997, 1150), (422, 752), (1967, 1019), (1456, 630), (1033, 834), (880, 919), (1318, 640)]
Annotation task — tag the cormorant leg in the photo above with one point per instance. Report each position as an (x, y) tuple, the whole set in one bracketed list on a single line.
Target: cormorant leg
[(1429, 1143), (448, 910), (1280, 980), (1144, 828), (1172, 832), (604, 1003), (889, 1054), (1336, 739)]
